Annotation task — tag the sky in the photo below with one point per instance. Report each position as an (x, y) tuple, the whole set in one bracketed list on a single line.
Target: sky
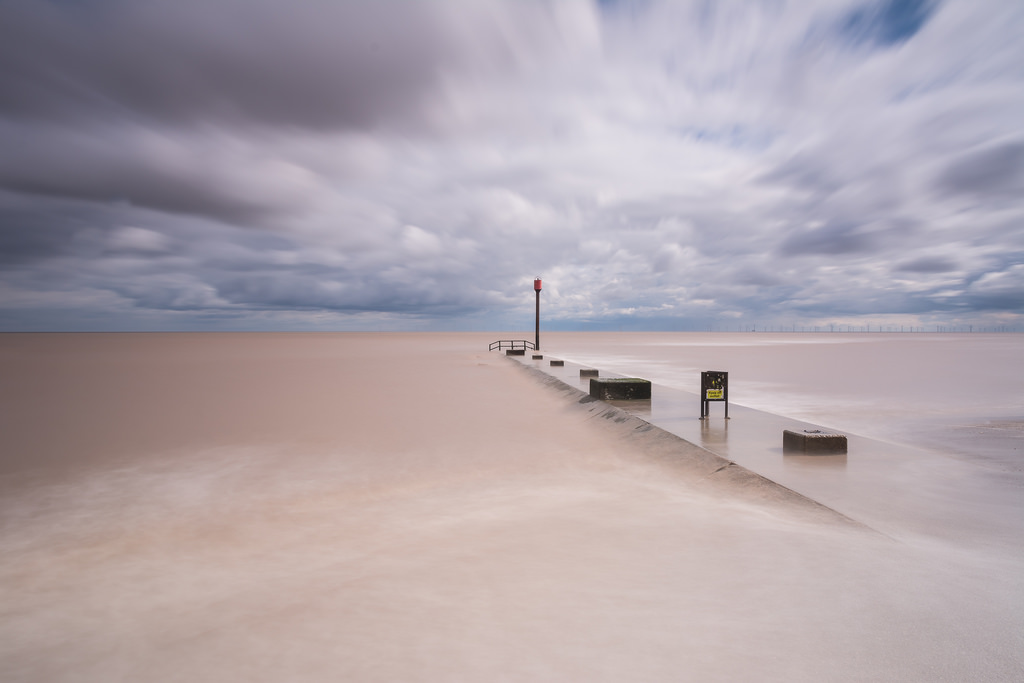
[(414, 165)]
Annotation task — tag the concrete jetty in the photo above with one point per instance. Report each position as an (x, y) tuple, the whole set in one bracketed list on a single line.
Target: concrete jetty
[(893, 488), (627, 419)]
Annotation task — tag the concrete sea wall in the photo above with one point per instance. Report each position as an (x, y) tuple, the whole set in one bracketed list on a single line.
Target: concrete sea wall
[(694, 462)]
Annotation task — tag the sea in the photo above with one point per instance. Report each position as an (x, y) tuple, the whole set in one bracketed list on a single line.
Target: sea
[(414, 506)]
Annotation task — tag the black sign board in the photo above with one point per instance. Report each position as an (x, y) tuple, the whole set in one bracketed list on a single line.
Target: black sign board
[(714, 386)]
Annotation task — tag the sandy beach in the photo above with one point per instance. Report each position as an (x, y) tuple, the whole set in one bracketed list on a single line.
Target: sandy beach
[(381, 507)]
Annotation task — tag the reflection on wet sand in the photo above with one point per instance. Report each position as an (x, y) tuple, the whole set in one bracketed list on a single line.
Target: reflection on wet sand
[(714, 435), (811, 462)]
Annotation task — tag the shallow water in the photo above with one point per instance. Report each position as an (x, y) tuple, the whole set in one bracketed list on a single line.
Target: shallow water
[(410, 507), (944, 390)]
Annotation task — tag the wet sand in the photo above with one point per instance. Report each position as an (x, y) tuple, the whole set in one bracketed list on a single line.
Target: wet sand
[(388, 507)]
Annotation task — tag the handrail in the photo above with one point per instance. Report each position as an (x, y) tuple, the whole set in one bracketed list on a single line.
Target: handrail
[(511, 344)]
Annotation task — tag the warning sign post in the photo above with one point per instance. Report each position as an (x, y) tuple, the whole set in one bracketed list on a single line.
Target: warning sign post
[(714, 386)]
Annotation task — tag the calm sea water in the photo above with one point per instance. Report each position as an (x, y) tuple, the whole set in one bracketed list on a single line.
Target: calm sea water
[(381, 507)]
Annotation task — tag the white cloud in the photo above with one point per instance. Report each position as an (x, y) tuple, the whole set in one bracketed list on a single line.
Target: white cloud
[(758, 160)]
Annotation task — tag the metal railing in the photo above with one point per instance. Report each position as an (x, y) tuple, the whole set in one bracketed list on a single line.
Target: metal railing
[(511, 344)]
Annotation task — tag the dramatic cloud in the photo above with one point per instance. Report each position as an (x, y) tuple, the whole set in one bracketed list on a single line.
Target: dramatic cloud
[(242, 164)]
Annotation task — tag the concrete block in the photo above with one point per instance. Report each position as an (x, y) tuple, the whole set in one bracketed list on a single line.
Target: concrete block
[(588, 372), (813, 442), (538, 356), (620, 389), (558, 363), (515, 352)]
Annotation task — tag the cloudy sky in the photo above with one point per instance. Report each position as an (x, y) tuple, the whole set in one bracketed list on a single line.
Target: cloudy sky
[(326, 164)]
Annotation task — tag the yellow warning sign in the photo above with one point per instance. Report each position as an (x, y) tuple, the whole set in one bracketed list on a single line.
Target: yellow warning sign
[(714, 394)]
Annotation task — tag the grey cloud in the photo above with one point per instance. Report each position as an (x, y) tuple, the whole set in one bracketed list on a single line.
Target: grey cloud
[(999, 290), (926, 264), (808, 173), (30, 232), (309, 64), (392, 290), (305, 64), (163, 293), (835, 239), (191, 107), (202, 267), (360, 161), (39, 228), (109, 166), (759, 276), (997, 171)]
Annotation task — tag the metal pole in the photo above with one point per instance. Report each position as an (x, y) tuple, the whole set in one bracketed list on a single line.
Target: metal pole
[(536, 339)]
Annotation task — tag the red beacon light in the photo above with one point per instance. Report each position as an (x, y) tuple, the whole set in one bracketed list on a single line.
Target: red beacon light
[(536, 285)]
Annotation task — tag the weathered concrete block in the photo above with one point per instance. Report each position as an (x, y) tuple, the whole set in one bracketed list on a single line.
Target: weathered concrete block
[(538, 356), (621, 389), (515, 352), (558, 363), (588, 372), (813, 442)]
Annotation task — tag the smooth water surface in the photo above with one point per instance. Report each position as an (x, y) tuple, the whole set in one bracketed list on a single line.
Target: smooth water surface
[(381, 507)]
